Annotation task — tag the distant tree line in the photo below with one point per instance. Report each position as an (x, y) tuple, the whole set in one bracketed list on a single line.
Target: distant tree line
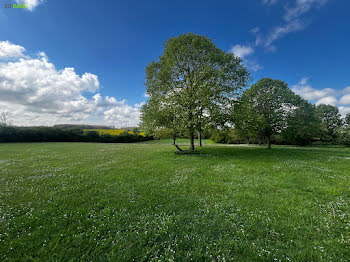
[(269, 112), (197, 88), (85, 126), (322, 130), (82, 126), (10, 133)]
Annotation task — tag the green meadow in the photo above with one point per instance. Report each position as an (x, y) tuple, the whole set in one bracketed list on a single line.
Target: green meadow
[(141, 202)]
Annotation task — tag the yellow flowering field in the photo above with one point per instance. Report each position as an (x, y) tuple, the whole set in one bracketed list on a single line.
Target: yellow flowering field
[(114, 132)]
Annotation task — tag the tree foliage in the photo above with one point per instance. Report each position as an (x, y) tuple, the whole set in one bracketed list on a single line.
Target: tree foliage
[(347, 119), (330, 121), (263, 109), (54, 134), (192, 85), (302, 123)]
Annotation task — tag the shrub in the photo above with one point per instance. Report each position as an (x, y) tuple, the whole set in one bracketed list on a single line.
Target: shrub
[(343, 136), (54, 134), (225, 136)]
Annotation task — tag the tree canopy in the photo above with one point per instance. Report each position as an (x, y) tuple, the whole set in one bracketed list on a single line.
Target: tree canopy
[(193, 84), (264, 108), (347, 119), (302, 124), (330, 121)]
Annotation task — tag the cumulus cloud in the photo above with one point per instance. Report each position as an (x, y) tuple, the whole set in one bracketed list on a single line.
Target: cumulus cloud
[(244, 51), (124, 114), (343, 110), (36, 93), (9, 50), (139, 105), (345, 100), (32, 4), (306, 91), (328, 100), (347, 90), (330, 96)]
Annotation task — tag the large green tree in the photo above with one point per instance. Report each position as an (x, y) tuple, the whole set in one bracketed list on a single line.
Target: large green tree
[(264, 108), (330, 121), (194, 83), (303, 124)]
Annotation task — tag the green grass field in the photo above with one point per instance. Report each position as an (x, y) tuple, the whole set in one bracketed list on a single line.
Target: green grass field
[(119, 202)]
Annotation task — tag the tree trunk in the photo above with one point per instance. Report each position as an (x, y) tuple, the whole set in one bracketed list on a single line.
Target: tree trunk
[(200, 138), (192, 140), (269, 142), (174, 139), (259, 141)]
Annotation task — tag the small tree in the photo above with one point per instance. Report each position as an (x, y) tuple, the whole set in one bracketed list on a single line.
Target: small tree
[(193, 85), (347, 119), (5, 119), (157, 117)]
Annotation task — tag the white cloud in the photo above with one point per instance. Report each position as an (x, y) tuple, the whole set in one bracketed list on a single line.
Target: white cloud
[(347, 90), (242, 50), (294, 20), (32, 4), (36, 93), (9, 50), (328, 100), (139, 105), (255, 30), (344, 110), (283, 30), (269, 2), (345, 100), (330, 96), (253, 65), (123, 114), (301, 7), (306, 91)]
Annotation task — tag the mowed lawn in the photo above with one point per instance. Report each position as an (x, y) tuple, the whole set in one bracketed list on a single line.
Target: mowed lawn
[(119, 202)]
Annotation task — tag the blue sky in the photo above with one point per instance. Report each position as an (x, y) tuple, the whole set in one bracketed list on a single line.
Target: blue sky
[(84, 61)]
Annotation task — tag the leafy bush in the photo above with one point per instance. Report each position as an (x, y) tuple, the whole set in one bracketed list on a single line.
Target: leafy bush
[(225, 136), (343, 136), (164, 133), (54, 134)]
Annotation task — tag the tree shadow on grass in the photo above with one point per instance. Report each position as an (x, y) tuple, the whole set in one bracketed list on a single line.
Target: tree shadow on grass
[(277, 153)]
